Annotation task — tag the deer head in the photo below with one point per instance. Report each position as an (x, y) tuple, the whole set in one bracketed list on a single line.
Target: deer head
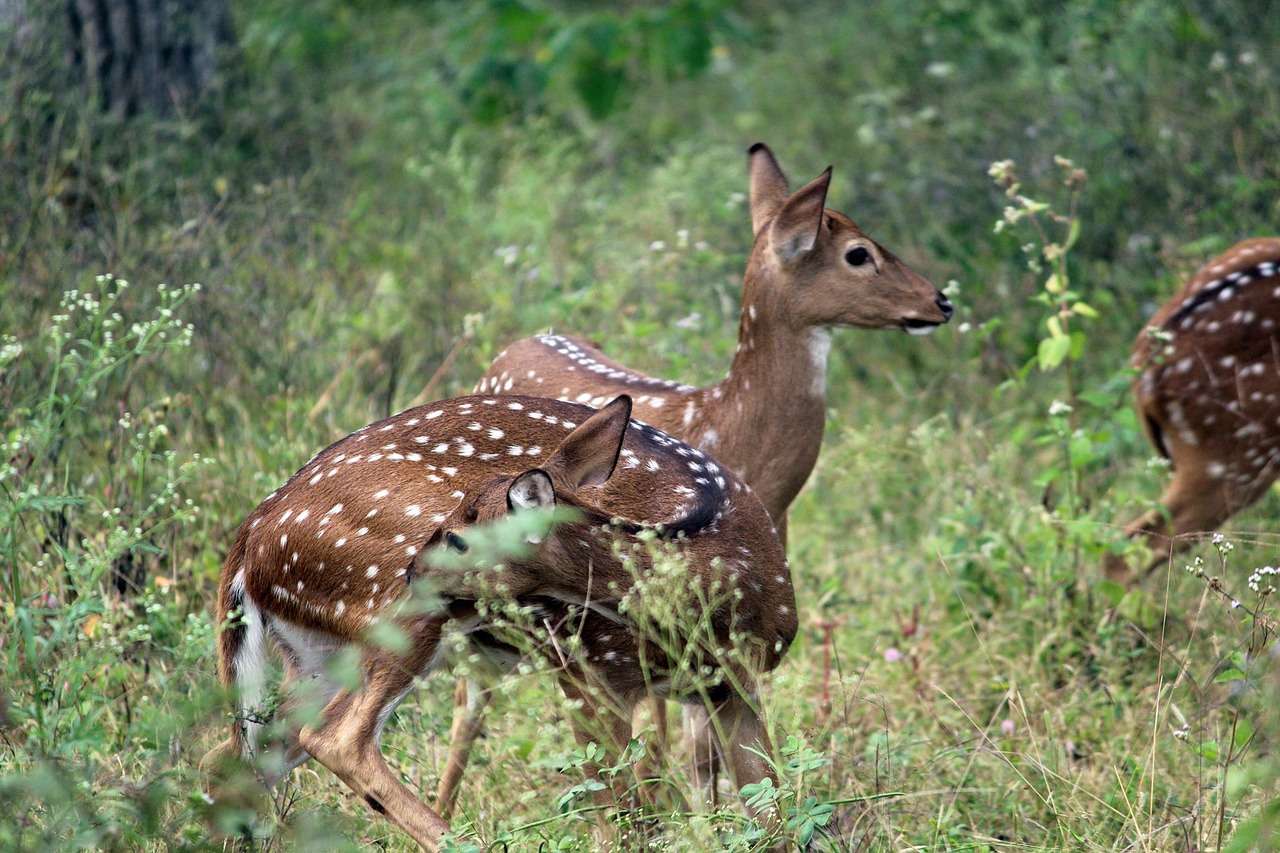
[(821, 269), (810, 268)]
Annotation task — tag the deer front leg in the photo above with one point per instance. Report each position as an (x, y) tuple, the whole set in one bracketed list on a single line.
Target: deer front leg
[(599, 721), (469, 703), (651, 765), (699, 739), (1196, 502), (741, 736), (605, 721), (346, 740)]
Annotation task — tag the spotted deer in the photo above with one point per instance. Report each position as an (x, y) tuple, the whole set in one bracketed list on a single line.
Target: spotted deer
[(340, 548), (1208, 395), (811, 268)]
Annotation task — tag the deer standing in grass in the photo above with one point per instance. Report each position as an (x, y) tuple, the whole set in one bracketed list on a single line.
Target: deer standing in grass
[(1208, 395), (334, 552), (810, 269)]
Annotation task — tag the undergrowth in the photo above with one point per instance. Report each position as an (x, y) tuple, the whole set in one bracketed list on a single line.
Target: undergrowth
[(370, 228)]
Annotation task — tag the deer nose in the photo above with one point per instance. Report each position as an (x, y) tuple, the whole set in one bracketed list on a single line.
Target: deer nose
[(945, 306)]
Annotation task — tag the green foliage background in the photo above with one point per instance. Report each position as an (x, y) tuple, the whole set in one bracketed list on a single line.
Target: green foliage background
[(401, 188)]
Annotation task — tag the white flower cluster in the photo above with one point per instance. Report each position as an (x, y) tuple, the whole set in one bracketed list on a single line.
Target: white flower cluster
[(1256, 579)]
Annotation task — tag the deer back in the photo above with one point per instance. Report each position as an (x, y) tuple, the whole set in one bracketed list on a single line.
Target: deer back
[(1209, 362)]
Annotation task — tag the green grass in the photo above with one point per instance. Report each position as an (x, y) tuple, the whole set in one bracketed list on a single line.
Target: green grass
[(356, 221)]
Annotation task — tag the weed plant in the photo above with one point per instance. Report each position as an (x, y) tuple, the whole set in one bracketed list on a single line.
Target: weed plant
[(368, 232)]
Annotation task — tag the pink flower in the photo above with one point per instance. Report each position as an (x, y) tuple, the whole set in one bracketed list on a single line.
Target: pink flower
[(892, 655), (1007, 728)]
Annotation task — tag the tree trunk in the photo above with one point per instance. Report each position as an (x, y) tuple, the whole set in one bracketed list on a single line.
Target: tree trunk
[(157, 56)]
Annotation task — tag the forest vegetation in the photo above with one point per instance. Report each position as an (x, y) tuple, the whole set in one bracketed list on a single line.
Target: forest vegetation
[(388, 192)]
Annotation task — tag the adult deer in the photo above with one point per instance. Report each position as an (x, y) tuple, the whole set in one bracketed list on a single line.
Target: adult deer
[(810, 269), (336, 550), (1208, 394)]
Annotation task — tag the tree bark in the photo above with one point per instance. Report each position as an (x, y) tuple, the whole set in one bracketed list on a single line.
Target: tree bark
[(157, 56)]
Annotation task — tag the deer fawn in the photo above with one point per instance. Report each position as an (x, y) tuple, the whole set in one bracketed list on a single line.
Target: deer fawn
[(1208, 394), (810, 269), (336, 550)]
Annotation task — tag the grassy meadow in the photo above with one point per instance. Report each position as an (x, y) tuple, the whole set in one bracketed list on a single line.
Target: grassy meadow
[(394, 190)]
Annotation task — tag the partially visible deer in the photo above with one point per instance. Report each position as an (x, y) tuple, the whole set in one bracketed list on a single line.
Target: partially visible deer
[(810, 269), (337, 549), (1208, 394)]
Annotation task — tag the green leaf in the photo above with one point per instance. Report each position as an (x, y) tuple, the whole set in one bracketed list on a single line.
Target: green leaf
[(1229, 675), (1073, 234), (1246, 836), (1052, 352), (388, 636), (1242, 736), (598, 83), (518, 22), (1077, 345)]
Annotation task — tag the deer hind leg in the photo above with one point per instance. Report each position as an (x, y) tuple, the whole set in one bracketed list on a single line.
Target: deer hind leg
[(305, 685), (469, 703), (346, 738), (305, 689)]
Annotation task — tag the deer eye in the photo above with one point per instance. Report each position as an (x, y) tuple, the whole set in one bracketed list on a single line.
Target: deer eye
[(456, 542), (857, 256)]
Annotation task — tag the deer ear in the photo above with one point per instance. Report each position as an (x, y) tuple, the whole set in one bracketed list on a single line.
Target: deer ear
[(531, 490), (588, 455), (795, 229), (768, 185)]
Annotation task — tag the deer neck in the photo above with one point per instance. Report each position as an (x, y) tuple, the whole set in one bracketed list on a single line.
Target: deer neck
[(765, 418)]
